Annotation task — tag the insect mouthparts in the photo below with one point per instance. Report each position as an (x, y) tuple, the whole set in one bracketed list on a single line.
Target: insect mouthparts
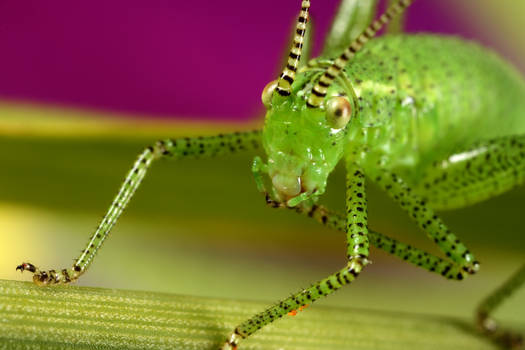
[(287, 185)]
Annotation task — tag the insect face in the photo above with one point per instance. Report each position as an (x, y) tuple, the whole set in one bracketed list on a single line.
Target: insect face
[(303, 144)]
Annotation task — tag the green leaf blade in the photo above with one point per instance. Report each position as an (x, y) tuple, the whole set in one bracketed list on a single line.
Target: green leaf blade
[(69, 317)]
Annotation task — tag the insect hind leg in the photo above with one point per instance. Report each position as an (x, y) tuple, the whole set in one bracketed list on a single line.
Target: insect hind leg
[(482, 171)]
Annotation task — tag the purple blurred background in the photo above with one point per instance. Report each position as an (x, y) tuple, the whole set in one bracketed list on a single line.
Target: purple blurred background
[(160, 59)]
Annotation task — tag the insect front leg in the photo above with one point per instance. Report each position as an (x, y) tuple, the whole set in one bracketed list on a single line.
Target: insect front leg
[(197, 147), (357, 253)]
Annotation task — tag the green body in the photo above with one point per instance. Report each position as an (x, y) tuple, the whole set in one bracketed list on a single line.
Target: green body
[(418, 101), (424, 98), (435, 122)]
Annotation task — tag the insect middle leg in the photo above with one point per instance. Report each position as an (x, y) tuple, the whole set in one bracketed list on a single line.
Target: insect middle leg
[(446, 268), (434, 264), (431, 224), (483, 171), (198, 147), (357, 253)]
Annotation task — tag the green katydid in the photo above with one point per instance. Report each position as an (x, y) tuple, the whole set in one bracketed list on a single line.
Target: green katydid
[(436, 122)]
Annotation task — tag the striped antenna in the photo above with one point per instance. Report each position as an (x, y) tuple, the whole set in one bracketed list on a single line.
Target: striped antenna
[(319, 91), (284, 85)]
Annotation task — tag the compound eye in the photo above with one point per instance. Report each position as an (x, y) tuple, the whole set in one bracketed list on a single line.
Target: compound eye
[(338, 112), (267, 93)]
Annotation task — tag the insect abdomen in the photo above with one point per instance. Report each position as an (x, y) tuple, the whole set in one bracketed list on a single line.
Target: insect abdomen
[(422, 97)]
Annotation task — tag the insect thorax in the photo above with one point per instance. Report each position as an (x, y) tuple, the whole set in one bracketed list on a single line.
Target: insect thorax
[(416, 100), (420, 98)]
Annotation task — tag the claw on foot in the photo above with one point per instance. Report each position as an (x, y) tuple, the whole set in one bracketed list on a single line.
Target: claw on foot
[(43, 278), (508, 340), (228, 346), (504, 338), (232, 343), (26, 266)]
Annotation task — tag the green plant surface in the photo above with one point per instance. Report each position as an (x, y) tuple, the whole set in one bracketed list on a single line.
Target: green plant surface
[(73, 317)]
